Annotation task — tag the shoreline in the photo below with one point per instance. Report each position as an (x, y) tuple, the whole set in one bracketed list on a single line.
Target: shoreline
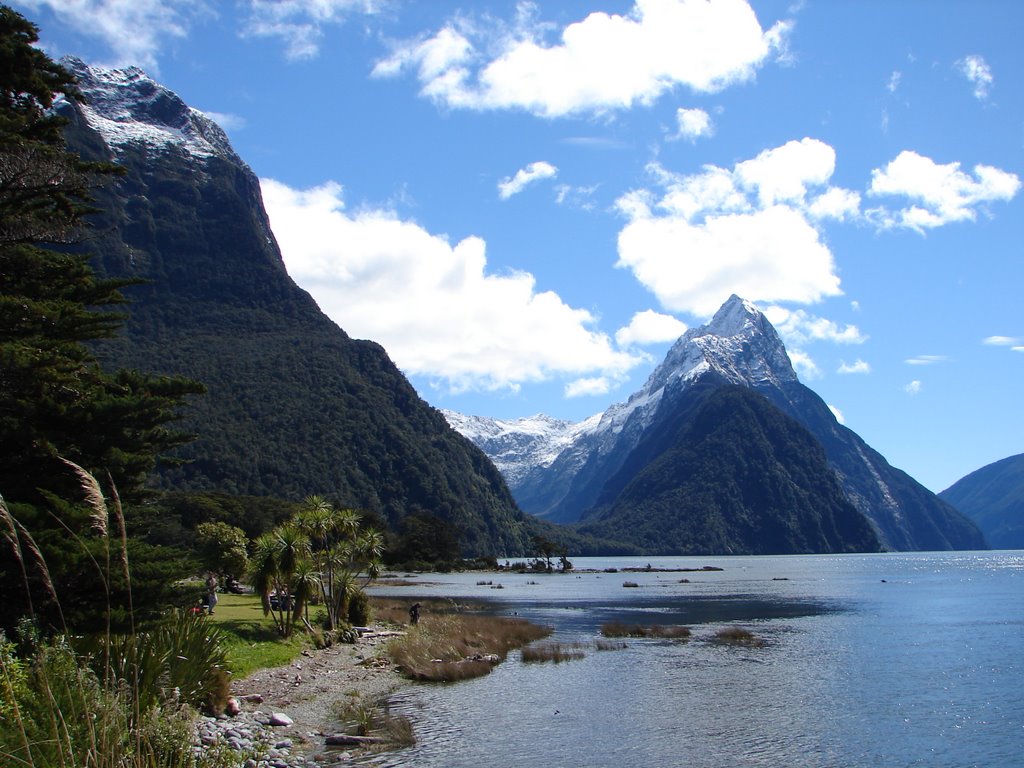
[(307, 691)]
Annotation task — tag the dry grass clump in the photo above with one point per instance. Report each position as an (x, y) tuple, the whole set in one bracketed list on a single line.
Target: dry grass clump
[(738, 636), (375, 720), (555, 652), (630, 584), (609, 645), (447, 647), (662, 631)]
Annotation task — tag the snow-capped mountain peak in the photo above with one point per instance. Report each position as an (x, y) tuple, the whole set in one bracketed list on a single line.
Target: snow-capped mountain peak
[(127, 107), (739, 344)]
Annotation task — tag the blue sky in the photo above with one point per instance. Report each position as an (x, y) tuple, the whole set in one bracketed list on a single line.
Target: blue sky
[(526, 203)]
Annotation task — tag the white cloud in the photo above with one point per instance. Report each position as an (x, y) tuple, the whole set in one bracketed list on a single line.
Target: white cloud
[(894, 81), (835, 203), (748, 231), (576, 197), (803, 364), (1002, 341), (299, 23), (594, 387), (137, 30), (134, 31), (604, 62), (693, 124), (838, 414), (226, 121), (649, 327), (941, 193), (859, 366), (913, 387), (433, 305), (927, 360), (978, 73), (799, 327), (785, 174), (531, 173)]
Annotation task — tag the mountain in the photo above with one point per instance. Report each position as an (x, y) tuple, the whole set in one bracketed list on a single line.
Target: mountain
[(993, 497), (294, 406), (728, 473), (738, 347)]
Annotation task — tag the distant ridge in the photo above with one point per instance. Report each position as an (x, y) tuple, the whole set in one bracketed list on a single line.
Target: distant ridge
[(738, 347), (993, 497)]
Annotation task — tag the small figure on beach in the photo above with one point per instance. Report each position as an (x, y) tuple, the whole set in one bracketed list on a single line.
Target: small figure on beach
[(414, 613), (211, 593)]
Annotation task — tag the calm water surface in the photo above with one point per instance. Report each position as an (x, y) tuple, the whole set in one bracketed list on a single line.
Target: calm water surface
[(873, 660)]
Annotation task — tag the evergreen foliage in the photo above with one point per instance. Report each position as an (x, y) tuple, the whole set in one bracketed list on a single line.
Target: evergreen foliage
[(294, 406), (56, 401)]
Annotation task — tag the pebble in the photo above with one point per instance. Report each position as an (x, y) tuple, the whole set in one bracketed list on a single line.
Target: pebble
[(252, 735)]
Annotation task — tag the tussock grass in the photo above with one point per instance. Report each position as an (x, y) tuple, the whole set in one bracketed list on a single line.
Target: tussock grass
[(662, 631), (554, 652), (109, 700), (366, 719), (737, 636), (448, 647), (609, 645)]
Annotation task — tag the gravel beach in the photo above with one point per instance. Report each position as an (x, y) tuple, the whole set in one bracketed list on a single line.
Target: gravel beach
[(288, 711)]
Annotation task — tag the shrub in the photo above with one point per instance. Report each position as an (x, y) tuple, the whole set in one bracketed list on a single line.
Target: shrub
[(737, 636), (359, 613)]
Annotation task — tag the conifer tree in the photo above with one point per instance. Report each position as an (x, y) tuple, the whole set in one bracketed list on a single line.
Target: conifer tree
[(55, 399)]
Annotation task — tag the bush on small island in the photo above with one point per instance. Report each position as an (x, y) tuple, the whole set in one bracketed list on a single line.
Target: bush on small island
[(662, 631), (555, 652), (738, 636), (447, 647)]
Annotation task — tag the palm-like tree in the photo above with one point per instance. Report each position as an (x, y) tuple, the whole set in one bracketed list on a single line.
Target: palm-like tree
[(340, 551), (278, 557)]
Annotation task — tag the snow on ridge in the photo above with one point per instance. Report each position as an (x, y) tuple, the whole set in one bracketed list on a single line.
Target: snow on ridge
[(128, 107), (739, 344)]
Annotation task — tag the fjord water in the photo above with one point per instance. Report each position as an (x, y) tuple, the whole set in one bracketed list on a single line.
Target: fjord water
[(875, 660)]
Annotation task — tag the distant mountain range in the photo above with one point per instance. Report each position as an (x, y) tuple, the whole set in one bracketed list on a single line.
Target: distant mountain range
[(294, 406), (657, 450), (722, 450), (993, 497)]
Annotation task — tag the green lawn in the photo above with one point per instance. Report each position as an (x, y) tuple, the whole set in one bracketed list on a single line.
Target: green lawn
[(251, 638)]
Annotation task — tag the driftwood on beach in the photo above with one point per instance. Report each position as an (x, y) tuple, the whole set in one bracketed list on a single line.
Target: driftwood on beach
[(344, 740)]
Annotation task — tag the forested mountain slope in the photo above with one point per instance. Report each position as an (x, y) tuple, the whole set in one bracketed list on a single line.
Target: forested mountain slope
[(294, 406)]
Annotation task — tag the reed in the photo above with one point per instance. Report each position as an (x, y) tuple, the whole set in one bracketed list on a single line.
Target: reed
[(107, 701), (662, 631), (553, 652), (453, 646)]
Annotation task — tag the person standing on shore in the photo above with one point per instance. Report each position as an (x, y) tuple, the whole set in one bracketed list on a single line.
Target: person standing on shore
[(211, 593), (414, 614)]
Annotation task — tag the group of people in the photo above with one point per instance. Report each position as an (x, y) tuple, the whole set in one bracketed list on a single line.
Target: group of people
[(209, 600)]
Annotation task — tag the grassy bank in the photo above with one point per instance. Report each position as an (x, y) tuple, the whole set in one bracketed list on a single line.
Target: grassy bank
[(250, 638)]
